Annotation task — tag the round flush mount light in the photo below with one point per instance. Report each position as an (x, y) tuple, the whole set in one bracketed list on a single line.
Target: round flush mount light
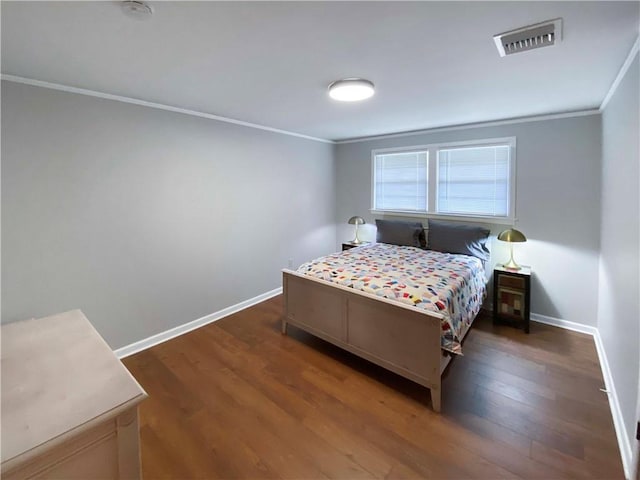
[(351, 89), (137, 9)]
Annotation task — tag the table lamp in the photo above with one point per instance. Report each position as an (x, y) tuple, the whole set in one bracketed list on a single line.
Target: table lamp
[(356, 221), (512, 236)]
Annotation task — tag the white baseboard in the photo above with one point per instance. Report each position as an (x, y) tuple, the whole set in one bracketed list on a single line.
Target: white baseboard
[(618, 423), (555, 322), (187, 327), (566, 324)]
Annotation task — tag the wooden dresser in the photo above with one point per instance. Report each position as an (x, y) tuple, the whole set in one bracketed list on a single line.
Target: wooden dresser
[(69, 406)]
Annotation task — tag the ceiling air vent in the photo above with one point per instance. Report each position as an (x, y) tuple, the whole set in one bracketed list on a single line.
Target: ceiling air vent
[(540, 35)]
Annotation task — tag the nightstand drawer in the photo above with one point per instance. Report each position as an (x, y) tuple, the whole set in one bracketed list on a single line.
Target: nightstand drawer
[(511, 303), (511, 281)]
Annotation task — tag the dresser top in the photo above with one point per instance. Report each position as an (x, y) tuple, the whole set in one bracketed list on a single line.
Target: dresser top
[(59, 378)]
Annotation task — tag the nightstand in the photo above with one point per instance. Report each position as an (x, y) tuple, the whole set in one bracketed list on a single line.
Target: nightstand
[(512, 296), (349, 245)]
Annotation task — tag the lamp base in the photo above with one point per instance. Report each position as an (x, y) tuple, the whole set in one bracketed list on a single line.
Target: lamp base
[(356, 241), (511, 264)]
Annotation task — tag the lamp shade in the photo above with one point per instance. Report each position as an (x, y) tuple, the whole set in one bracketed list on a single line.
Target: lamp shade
[(512, 235), (356, 221)]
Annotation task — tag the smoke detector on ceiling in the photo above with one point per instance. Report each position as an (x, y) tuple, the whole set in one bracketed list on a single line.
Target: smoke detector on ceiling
[(137, 9), (545, 34)]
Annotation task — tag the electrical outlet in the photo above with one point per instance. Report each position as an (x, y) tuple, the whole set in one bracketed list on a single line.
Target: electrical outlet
[(291, 263)]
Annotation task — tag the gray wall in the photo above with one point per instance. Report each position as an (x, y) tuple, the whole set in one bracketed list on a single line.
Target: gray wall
[(147, 219), (619, 308), (557, 206)]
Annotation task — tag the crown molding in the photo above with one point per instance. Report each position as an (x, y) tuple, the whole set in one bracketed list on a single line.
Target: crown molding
[(159, 106), (494, 123), (623, 70), (184, 111)]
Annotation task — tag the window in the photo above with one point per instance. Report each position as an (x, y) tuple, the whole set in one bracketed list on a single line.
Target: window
[(474, 181), (401, 181), (464, 179)]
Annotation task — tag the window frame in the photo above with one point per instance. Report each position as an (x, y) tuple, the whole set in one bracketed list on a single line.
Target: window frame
[(432, 180)]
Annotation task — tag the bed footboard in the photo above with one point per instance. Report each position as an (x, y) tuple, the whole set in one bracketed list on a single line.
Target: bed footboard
[(399, 338)]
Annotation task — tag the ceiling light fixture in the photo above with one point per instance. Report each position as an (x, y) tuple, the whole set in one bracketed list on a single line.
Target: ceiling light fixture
[(137, 9), (351, 89)]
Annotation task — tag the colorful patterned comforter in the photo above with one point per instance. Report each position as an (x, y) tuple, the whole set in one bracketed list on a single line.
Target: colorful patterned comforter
[(452, 285)]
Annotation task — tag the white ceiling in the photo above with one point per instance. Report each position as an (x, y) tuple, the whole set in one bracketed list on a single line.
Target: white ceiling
[(434, 63)]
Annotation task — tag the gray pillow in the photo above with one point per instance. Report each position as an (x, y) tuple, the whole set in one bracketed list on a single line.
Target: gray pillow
[(459, 238), (395, 232)]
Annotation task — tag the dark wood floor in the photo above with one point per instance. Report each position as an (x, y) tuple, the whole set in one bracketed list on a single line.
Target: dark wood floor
[(236, 399)]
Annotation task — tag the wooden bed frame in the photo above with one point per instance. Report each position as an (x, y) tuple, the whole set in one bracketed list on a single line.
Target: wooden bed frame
[(397, 337)]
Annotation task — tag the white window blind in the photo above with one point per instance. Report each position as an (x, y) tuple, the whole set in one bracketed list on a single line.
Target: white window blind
[(474, 181), (400, 181)]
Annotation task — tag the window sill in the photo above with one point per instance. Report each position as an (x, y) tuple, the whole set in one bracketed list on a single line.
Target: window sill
[(438, 216)]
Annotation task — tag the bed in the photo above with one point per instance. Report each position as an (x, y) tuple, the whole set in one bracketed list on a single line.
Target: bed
[(400, 306)]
